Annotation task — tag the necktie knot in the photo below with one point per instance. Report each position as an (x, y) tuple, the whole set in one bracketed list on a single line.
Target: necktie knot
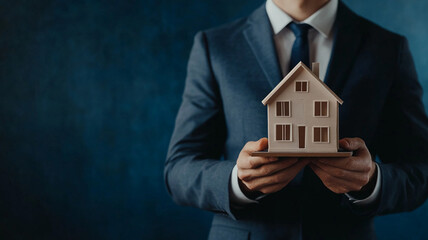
[(299, 29)]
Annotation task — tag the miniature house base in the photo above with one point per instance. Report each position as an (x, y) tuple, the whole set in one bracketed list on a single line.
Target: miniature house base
[(301, 154)]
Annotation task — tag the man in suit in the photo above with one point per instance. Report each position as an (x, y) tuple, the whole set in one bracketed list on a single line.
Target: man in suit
[(233, 67)]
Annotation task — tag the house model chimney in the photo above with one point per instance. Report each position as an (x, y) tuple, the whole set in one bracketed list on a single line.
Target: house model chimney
[(316, 69)]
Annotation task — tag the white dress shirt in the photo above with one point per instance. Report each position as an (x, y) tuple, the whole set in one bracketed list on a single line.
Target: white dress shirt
[(320, 38)]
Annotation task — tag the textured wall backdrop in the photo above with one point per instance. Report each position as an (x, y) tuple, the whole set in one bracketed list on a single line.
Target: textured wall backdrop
[(88, 95)]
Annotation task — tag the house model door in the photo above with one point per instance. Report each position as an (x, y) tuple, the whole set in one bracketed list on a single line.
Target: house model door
[(299, 113), (302, 136)]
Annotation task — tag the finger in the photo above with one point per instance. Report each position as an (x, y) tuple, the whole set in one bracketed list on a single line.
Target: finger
[(254, 162), (356, 164), (260, 145), (351, 144), (283, 176), (360, 178), (357, 145), (278, 186), (336, 185), (265, 169)]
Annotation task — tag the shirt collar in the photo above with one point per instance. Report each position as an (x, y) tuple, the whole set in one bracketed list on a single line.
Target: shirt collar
[(322, 20)]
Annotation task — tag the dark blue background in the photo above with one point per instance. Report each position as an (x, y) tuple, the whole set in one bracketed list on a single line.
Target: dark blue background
[(88, 95)]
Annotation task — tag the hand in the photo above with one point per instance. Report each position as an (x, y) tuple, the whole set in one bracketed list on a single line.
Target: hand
[(343, 175), (265, 174)]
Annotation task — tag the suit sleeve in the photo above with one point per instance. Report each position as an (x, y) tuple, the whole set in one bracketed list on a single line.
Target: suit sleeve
[(194, 173), (402, 142)]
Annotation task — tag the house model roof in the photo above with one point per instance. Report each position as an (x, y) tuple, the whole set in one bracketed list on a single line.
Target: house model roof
[(298, 67)]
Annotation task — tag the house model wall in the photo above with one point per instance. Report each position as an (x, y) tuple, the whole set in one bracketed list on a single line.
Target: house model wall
[(303, 113)]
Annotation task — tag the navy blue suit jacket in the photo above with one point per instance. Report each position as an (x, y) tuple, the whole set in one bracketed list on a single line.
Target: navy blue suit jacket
[(233, 67)]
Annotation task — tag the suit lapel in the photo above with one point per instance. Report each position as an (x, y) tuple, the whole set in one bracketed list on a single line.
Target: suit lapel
[(347, 39), (259, 36)]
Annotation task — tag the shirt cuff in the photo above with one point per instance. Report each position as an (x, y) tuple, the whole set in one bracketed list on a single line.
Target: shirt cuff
[(370, 199), (237, 197)]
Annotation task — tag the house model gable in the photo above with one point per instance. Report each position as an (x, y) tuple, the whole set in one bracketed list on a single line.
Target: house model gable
[(303, 115), (292, 75)]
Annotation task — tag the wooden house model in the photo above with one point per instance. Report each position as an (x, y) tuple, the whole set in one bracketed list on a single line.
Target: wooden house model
[(303, 113)]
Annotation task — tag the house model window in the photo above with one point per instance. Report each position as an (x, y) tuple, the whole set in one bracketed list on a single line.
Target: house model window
[(302, 86), (321, 108), (283, 109), (283, 132), (321, 135)]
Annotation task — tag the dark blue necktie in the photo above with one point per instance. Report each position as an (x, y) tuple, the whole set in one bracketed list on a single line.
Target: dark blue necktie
[(300, 51)]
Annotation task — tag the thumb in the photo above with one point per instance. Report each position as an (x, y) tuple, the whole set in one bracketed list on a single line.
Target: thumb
[(351, 144), (262, 144)]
